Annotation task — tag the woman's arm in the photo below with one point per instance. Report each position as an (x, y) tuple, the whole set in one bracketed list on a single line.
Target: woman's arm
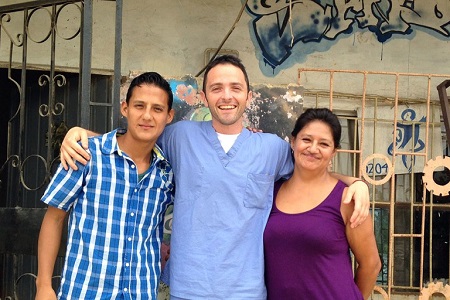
[(363, 245)]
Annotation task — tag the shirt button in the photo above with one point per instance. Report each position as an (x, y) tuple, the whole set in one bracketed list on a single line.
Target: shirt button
[(125, 290), (135, 190), (132, 166), (129, 239), (127, 264), (132, 214)]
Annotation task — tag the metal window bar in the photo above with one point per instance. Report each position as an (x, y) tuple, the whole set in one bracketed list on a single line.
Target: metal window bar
[(331, 98), (17, 253)]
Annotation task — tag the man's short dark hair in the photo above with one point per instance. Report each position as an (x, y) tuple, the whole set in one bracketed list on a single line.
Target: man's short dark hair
[(151, 78), (223, 60)]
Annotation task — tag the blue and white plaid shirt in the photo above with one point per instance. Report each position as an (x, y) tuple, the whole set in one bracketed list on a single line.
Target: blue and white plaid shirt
[(115, 223)]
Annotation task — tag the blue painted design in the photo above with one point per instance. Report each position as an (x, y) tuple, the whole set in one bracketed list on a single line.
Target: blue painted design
[(325, 21), (405, 136)]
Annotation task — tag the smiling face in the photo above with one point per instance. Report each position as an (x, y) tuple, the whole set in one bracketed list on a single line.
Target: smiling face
[(226, 95), (314, 146), (147, 113)]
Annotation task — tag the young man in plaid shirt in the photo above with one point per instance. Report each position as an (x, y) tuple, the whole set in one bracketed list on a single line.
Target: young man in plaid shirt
[(115, 205)]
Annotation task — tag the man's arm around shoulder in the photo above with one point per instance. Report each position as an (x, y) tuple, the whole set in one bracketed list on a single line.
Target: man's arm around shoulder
[(72, 151)]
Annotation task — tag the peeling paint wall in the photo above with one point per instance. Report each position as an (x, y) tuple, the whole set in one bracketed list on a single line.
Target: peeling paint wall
[(273, 109)]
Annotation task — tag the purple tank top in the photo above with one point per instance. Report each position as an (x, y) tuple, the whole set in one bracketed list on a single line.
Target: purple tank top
[(307, 255)]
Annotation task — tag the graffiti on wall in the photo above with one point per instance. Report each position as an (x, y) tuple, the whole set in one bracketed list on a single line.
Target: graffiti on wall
[(409, 137), (409, 131), (316, 25), (273, 109)]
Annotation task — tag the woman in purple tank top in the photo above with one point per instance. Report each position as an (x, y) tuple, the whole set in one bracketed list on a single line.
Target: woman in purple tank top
[(308, 238)]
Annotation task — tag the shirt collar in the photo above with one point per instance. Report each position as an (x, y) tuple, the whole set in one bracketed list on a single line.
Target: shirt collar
[(110, 145)]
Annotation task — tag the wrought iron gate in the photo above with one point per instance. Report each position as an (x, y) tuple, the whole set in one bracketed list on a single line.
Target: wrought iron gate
[(41, 99)]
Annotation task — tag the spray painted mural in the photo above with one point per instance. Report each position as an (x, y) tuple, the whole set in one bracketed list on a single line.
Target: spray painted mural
[(316, 25), (273, 109)]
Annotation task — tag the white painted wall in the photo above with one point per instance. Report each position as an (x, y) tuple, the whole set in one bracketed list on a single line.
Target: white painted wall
[(171, 36)]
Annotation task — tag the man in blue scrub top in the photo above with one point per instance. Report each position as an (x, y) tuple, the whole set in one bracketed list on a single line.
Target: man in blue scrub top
[(224, 178)]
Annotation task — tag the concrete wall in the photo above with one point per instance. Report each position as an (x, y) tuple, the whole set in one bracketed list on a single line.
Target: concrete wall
[(171, 37)]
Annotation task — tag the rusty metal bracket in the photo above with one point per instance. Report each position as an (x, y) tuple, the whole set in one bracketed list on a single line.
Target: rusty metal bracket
[(442, 90)]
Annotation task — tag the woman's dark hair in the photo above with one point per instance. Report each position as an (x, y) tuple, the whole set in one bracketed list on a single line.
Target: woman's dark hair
[(320, 114), (151, 78), (223, 60)]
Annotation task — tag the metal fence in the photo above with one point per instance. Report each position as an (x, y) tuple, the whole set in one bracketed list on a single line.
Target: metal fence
[(42, 98), (394, 137)]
